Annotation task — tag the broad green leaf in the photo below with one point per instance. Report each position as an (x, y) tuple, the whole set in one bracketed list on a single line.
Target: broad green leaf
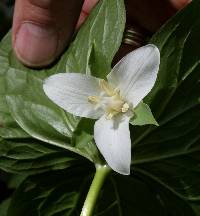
[(83, 138), (143, 115), (31, 156), (13, 180), (4, 207), (196, 207), (35, 113), (47, 121), (133, 195), (55, 193), (8, 127), (65, 191), (98, 40), (169, 154), (91, 52), (179, 57)]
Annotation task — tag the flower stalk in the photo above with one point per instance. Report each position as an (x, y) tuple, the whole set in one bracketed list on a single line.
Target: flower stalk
[(97, 183)]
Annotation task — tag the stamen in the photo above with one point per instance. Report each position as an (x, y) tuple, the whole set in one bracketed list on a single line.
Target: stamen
[(110, 113), (109, 116), (107, 88), (93, 99), (125, 107), (110, 101)]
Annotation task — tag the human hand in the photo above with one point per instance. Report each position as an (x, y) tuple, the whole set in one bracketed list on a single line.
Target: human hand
[(43, 28)]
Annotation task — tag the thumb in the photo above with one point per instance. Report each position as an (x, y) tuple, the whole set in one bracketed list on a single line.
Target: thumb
[(42, 28)]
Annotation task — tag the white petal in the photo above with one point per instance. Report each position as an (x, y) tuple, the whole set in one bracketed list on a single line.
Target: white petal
[(71, 91), (136, 73), (112, 138)]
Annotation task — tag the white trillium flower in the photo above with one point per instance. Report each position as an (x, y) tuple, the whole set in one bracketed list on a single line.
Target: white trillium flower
[(111, 102)]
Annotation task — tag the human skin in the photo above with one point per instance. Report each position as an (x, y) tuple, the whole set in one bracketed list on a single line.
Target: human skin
[(43, 28)]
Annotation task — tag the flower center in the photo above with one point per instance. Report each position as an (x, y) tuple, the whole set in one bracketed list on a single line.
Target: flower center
[(109, 100)]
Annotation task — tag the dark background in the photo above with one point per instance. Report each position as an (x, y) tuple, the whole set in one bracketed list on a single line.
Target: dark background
[(6, 11)]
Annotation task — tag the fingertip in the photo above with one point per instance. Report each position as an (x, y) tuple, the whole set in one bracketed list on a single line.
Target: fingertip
[(179, 4), (81, 20), (87, 7)]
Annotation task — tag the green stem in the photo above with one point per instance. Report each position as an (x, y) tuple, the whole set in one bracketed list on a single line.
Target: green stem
[(99, 178)]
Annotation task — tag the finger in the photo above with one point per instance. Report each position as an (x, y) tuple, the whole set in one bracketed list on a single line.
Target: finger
[(87, 7), (149, 15), (146, 17), (42, 28), (178, 4)]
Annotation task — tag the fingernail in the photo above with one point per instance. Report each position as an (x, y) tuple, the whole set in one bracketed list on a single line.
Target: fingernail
[(81, 19), (36, 45)]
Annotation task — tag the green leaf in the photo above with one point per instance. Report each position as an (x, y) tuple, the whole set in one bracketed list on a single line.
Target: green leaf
[(165, 168), (83, 139), (169, 154), (4, 207), (55, 193), (31, 156), (91, 52), (196, 207), (98, 40), (143, 115), (179, 58), (8, 127), (135, 196), (35, 113), (64, 193)]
